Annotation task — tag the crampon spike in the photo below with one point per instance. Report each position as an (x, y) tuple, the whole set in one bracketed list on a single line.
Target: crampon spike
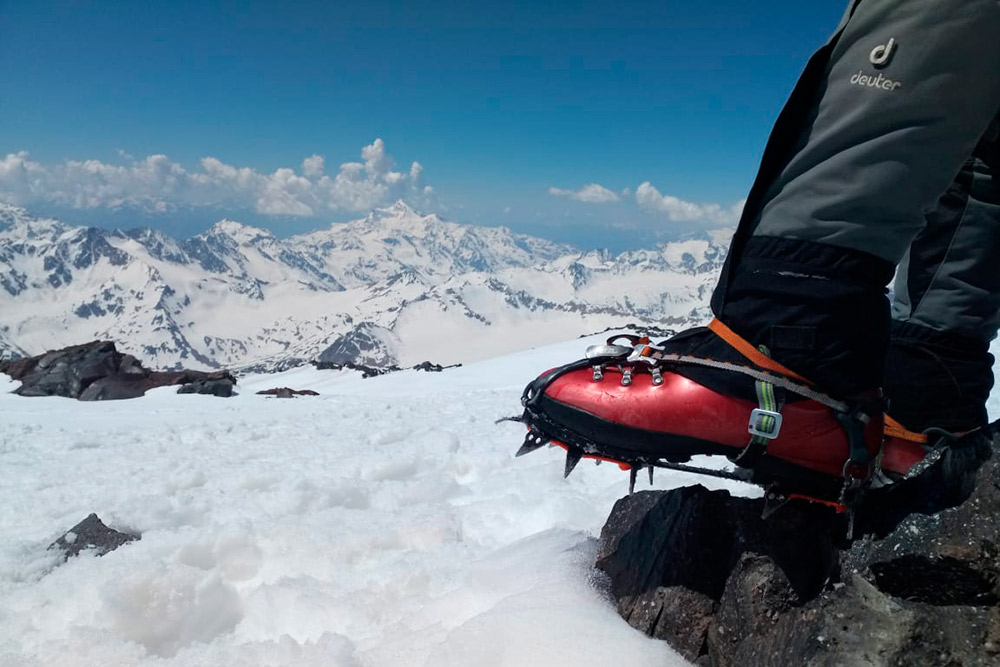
[(573, 456), (651, 475), (773, 501), (632, 474), (532, 441)]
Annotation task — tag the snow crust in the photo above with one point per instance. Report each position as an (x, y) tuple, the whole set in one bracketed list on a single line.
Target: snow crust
[(384, 522)]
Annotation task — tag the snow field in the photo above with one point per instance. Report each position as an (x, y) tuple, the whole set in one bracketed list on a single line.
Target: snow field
[(384, 522)]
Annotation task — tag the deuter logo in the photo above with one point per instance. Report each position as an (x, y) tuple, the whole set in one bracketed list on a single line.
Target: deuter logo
[(880, 82), (882, 54), (880, 57)]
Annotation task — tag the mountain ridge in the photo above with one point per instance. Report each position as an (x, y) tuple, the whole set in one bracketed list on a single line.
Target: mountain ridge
[(236, 295)]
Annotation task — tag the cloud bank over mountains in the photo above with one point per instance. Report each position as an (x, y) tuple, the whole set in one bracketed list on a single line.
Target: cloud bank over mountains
[(650, 200), (677, 210), (592, 193), (158, 184)]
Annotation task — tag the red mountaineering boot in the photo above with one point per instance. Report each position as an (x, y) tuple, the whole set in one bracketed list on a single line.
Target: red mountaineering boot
[(629, 402)]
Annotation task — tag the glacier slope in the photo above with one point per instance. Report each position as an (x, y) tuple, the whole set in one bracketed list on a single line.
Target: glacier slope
[(384, 522)]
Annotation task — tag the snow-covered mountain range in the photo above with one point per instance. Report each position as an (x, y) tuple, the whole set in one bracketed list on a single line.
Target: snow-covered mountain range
[(394, 287)]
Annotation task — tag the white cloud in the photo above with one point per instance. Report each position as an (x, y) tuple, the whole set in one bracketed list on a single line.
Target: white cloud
[(592, 193), (313, 165), (157, 184), (677, 210)]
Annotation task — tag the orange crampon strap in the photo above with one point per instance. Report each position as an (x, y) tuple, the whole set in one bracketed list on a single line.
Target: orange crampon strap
[(840, 508), (747, 349), (894, 429)]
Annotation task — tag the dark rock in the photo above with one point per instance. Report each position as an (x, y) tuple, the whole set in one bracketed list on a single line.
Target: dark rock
[(429, 367), (91, 533), (433, 368), (673, 613), (857, 624), (131, 365), (287, 392), (947, 479), (727, 588), (374, 371), (673, 551), (216, 387), (98, 372), (113, 388), (948, 558), (366, 371)]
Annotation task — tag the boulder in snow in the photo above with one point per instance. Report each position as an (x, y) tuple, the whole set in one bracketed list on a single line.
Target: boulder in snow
[(287, 392), (221, 387), (91, 533), (98, 372)]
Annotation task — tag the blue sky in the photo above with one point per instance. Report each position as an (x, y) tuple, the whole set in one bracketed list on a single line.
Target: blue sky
[(509, 109)]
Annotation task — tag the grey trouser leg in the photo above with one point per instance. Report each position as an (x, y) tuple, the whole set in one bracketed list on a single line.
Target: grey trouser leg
[(946, 306), (910, 87), (949, 280), (881, 121)]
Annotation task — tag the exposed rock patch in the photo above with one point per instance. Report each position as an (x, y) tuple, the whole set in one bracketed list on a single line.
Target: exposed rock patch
[(288, 392), (222, 387), (433, 368), (724, 587), (366, 371), (91, 533), (673, 555), (98, 372), (375, 371)]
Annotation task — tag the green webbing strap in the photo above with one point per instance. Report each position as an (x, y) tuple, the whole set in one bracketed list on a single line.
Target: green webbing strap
[(766, 421)]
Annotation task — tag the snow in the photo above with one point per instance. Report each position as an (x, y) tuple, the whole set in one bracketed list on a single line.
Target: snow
[(384, 522)]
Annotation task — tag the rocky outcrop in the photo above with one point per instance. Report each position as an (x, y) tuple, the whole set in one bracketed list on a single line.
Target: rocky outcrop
[(213, 386), (288, 392), (431, 367), (702, 570), (366, 371), (375, 371), (671, 556), (98, 372), (91, 533)]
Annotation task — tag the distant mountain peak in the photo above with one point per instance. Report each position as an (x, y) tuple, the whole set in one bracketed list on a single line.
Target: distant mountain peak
[(398, 207), (12, 210), (398, 212), (237, 231), (17, 220)]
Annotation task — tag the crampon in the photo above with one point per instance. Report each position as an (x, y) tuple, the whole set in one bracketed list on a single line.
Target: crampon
[(626, 403)]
